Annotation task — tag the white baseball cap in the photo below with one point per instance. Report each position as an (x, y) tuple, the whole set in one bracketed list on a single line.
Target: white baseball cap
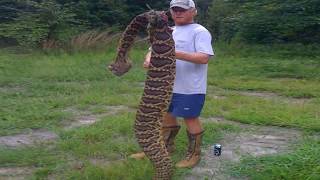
[(185, 4)]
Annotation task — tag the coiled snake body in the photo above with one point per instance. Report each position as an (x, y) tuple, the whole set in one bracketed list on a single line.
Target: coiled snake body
[(158, 85)]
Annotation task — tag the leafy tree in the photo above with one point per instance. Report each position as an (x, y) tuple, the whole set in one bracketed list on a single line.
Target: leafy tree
[(37, 21), (9, 10), (263, 21), (266, 21), (222, 19), (281, 21), (106, 13), (203, 8)]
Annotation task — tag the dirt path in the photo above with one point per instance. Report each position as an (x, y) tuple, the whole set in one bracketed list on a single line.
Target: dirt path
[(27, 139), (212, 93), (81, 118), (85, 118), (251, 140), (35, 137), (15, 173)]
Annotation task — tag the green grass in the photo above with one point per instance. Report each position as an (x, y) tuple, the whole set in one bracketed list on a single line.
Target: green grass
[(303, 163), (265, 111), (38, 90), (267, 69), (35, 89)]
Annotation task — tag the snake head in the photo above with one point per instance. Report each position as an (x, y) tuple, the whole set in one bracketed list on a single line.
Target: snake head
[(158, 19), (119, 68)]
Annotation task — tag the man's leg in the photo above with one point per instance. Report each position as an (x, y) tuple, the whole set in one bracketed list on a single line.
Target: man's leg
[(169, 120), (193, 125), (170, 129), (194, 132)]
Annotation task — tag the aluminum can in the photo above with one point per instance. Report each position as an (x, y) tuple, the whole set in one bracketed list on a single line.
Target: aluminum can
[(217, 149)]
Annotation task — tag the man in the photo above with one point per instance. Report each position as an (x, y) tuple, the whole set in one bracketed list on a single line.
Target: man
[(193, 50)]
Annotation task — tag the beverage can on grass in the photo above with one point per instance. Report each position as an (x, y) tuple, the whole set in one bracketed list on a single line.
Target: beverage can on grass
[(217, 149)]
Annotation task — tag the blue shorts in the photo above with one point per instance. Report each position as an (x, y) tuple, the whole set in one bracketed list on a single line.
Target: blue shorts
[(186, 105)]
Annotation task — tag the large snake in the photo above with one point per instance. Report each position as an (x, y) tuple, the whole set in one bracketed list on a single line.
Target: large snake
[(158, 85)]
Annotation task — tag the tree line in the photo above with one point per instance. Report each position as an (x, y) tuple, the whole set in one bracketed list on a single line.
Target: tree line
[(30, 22)]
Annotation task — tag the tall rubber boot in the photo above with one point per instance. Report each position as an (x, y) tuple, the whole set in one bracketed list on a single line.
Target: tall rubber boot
[(169, 134), (194, 151)]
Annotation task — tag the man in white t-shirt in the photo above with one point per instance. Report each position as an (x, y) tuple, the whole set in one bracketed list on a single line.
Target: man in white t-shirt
[(193, 51)]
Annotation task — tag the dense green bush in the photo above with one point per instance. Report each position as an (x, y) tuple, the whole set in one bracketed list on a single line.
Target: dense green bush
[(266, 21), (256, 21), (38, 21), (31, 22)]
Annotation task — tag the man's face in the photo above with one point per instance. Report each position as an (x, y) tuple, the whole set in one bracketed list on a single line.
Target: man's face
[(182, 16)]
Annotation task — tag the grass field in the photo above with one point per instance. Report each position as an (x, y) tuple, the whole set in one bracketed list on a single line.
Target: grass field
[(47, 91)]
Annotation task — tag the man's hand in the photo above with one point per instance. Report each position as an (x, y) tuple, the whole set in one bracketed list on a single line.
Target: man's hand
[(147, 59), (196, 57)]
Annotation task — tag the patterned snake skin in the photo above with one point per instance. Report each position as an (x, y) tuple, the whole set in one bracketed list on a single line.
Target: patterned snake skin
[(158, 86)]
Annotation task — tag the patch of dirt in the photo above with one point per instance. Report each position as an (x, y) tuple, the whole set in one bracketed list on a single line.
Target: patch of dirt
[(27, 139), (41, 136), (11, 90), (274, 95), (217, 93), (82, 120), (34, 137), (251, 140), (15, 173), (258, 94), (103, 162), (213, 96), (100, 162), (85, 118)]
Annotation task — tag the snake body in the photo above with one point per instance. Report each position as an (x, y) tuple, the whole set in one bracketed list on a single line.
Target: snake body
[(158, 86)]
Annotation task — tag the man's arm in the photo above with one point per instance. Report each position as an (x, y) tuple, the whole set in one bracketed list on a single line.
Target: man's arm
[(147, 58), (196, 57)]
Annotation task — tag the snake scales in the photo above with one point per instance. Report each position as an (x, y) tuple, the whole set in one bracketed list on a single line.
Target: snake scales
[(158, 85)]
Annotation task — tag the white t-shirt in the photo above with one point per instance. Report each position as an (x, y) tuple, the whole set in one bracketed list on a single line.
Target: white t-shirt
[(191, 78)]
